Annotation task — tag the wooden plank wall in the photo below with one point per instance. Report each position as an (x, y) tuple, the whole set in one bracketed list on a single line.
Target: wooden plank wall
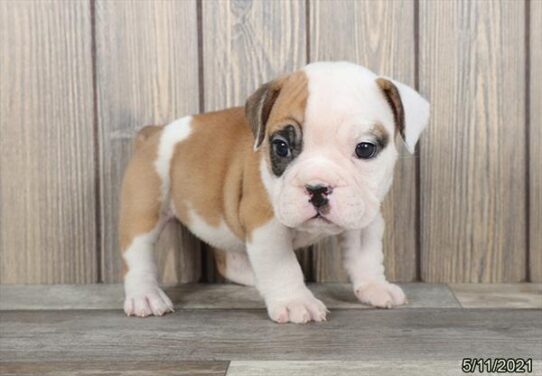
[(472, 160), (534, 22), (79, 78), (146, 73), (48, 232)]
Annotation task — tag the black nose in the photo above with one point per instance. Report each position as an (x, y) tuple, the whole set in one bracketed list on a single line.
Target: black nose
[(318, 195)]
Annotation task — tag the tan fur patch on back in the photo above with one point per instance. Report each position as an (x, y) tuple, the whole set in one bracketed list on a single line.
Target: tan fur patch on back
[(207, 168)]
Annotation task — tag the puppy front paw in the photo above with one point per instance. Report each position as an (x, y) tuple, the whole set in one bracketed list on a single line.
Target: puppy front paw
[(299, 310), (152, 301), (381, 294)]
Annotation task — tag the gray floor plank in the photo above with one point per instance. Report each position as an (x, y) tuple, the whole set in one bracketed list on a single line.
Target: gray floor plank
[(501, 295), (368, 335), (117, 368), (209, 296), (351, 368)]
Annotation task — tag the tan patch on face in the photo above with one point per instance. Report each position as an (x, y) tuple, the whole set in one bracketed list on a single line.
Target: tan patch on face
[(288, 108), (290, 104)]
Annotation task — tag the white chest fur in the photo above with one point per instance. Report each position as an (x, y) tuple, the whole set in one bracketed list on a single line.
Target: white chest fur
[(304, 239), (223, 238)]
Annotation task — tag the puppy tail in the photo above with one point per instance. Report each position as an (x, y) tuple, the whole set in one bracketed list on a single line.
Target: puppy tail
[(144, 134)]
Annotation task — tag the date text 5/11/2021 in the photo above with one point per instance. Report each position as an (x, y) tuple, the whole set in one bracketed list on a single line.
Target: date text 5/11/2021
[(497, 365)]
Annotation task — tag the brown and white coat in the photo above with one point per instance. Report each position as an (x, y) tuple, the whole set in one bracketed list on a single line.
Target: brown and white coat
[(311, 155)]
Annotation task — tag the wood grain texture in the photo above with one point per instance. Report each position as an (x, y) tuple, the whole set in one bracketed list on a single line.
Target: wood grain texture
[(245, 44), (116, 368), (147, 73), (342, 368), (205, 296), (380, 36), (535, 139), (377, 335), (472, 164), (47, 191), (501, 295)]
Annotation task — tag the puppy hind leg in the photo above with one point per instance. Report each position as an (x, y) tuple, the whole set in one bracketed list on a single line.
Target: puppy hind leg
[(143, 295), (234, 266), (141, 222)]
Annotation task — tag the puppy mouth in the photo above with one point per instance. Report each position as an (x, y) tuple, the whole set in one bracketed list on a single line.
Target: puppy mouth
[(318, 217)]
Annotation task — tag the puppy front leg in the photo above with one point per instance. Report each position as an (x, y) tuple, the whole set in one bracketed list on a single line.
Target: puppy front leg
[(279, 278), (363, 259)]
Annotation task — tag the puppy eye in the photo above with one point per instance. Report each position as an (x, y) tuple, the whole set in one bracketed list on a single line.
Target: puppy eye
[(281, 148), (366, 150)]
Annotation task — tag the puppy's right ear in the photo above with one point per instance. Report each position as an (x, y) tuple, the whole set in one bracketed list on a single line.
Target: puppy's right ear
[(410, 110), (258, 108)]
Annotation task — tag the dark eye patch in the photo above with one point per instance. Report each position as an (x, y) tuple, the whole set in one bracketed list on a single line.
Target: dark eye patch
[(293, 136), (381, 135)]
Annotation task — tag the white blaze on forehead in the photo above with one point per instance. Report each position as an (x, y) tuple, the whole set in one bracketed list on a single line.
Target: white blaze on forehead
[(344, 92), (172, 134)]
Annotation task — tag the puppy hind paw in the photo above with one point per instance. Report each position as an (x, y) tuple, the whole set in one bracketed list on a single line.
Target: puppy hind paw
[(381, 295)]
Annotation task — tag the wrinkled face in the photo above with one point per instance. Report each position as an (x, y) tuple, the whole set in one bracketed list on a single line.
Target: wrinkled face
[(328, 147)]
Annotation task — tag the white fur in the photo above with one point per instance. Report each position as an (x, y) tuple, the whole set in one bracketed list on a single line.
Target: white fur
[(238, 268), (343, 106), (220, 237), (279, 278), (172, 134), (302, 237), (363, 259), (143, 296), (416, 113)]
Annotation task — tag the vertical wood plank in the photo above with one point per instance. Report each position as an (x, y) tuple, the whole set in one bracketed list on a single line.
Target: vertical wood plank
[(147, 73), (380, 36), (247, 43), (47, 191), (535, 138), (472, 167)]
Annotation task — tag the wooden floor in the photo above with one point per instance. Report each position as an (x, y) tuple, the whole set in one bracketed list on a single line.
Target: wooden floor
[(224, 329)]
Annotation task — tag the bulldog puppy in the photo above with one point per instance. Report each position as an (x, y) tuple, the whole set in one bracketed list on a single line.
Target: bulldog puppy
[(310, 155)]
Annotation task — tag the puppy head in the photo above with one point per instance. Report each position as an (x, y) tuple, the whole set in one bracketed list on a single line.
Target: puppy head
[(326, 133)]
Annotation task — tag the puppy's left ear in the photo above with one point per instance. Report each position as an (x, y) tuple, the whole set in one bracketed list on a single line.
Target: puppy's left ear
[(258, 108), (410, 110)]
